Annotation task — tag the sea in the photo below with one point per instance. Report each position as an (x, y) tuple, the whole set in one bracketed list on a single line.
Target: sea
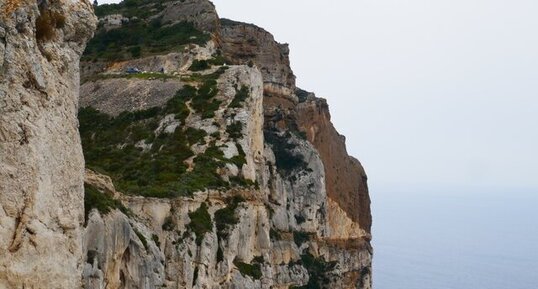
[(445, 240)]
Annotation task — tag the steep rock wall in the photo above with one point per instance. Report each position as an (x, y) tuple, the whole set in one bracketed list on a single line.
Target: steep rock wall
[(41, 171), (305, 219), (246, 43), (346, 179)]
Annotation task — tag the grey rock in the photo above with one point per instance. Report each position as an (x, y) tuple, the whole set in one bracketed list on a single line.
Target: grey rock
[(41, 162)]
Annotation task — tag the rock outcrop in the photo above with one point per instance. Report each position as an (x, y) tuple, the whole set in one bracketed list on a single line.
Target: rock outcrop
[(244, 43), (346, 180), (41, 162)]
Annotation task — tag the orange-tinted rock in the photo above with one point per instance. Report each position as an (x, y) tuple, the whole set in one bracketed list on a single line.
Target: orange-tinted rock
[(346, 180)]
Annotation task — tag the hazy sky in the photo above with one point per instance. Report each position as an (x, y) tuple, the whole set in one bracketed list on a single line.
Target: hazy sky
[(431, 95)]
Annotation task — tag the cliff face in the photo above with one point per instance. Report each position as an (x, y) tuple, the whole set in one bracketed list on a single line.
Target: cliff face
[(246, 43), (346, 180), (205, 166), (284, 206), (41, 163)]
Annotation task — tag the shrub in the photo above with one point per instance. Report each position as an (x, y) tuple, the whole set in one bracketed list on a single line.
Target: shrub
[(253, 271), (177, 104), (226, 216), (135, 51), (240, 96), (200, 223), (318, 270), (300, 238), (275, 235), (199, 65), (202, 99), (149, 37), (142, 238), (234, 130), (258, 259), (109, 147), (93, 199), (287, 161), (240, 159), (195, 135), (131, 8)]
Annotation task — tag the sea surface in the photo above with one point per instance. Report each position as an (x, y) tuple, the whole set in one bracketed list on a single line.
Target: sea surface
[(455, 241)]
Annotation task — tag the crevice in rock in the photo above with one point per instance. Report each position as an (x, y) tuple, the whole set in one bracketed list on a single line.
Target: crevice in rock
[(22, 221)]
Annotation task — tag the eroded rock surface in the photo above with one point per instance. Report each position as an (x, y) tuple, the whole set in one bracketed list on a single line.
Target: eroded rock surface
[(244, 43), (206, 166), (41, 163)]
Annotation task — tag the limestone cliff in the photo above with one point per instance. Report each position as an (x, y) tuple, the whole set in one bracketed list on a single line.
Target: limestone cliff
[(205, 166), (41, 162), (260, 191)]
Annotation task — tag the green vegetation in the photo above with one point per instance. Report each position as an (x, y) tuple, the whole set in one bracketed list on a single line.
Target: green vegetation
[(240, 96), (287, 161), (141, 75), (177, 105), (143, 161), (258, 259), (204, 176), (112, 145), (139, 38), (142, 238), (200, 65), (149, 75), (131, 8), (240, 159), (202, 99), (195, 136), (301, 237), (318, 270), (93, 199), (234, 130), (226, 216), (135, 51), (109, 147), (200, 223), (275, 235), (253, 271)]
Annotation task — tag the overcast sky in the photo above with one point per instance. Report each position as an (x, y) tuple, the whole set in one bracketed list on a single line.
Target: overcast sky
[(430, 94)]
